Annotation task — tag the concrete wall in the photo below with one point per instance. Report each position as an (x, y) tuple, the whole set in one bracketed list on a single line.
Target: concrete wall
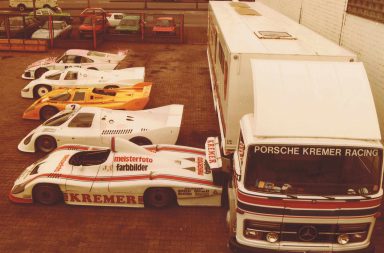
[(360, 35)]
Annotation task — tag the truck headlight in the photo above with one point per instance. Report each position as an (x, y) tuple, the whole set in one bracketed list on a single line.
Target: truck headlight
[(260, 230), (343, 239), (349, 233)]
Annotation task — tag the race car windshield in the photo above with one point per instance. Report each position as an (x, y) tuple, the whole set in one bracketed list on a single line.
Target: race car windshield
[(89, 158), (58, 120), (318, 171)]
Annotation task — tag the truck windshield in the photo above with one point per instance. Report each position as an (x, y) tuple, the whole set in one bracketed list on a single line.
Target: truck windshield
[(319, 171)]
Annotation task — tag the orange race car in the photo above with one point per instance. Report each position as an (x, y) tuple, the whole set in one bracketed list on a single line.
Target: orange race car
[(131, 98)]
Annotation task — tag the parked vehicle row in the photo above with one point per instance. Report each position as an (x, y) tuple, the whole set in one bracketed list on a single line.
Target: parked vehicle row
[(100, 141)]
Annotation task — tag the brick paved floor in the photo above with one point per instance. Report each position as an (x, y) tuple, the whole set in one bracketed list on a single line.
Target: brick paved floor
[(180, 75)]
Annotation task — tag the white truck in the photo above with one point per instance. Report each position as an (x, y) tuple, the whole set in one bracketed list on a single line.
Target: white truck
[(308, 161), (23, 5), (239, 32)]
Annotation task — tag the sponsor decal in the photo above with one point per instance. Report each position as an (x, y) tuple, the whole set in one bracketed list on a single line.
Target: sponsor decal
[(200, 166), (211, 149), (131, 167), (137, 159), (200, 192), (102, 198), (61, 163), (184, 192), (316, 151)]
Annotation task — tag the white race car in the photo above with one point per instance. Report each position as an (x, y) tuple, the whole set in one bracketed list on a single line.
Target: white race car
[(95, 126), (78, 77), (74, 58), (123, 175)]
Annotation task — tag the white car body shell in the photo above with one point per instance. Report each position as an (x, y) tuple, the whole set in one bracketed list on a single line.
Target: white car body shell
[(123, 176), (84, 59), (158, 125), (115, 18), (54, 79), (44, 33)]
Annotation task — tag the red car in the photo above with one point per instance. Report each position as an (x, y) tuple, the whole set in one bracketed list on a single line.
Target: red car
[(86, 29), (165, 25)]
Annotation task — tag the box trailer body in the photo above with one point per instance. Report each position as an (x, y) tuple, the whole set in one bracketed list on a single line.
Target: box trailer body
[(239, 32), (308, 166)]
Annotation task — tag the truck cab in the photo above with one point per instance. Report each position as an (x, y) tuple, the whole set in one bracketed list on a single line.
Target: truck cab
[(307, 170)]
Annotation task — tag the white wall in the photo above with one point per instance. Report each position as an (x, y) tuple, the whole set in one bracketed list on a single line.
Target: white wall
[(360, 35)]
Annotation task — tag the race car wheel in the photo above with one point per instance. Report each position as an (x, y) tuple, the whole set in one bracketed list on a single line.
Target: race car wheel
[(47, 194), (21, 7), (40, 90), (47, 111), (111, 87), (39, 72), (140, 141), (45, 143), (159, 197)]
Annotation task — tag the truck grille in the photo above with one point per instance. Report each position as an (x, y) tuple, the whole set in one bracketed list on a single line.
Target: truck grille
[(324, 233)]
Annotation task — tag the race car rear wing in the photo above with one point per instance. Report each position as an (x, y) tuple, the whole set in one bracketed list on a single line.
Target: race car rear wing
[(220, 166)]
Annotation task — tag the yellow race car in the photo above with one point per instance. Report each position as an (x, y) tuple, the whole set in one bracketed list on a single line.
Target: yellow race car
[(131, 98)]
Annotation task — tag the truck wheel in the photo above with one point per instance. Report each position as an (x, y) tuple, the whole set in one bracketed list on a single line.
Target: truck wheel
[(40, 90), (45, 143), (159, 197), (21, 7), (39, 72), (47, 194), (140, 141), (47, 111)]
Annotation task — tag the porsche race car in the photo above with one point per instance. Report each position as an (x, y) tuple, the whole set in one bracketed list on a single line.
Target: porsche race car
[(96, 126), (131, 98), (123, 175), (79, 58), (78, 77)]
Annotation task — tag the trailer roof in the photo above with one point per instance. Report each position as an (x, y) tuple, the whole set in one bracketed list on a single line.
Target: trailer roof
[(313, 99), (241, 31)]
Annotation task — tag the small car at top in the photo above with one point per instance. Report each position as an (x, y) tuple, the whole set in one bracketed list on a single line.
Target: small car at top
[(131, 98), (79, 58), (60, 29)]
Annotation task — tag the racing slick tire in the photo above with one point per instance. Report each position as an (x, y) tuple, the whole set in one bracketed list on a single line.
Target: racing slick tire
[(159, 197), (40, 90), (47, 111), (45, 143), (47, 194), (39, 72), (140, 141)]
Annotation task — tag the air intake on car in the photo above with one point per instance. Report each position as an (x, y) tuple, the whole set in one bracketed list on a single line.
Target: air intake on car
[(115, 131)]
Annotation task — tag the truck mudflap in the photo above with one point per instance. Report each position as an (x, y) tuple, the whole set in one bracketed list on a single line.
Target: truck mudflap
[(234, 246), (220, 166)]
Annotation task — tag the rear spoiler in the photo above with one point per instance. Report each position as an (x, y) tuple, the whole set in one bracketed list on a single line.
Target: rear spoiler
[(220, 166)]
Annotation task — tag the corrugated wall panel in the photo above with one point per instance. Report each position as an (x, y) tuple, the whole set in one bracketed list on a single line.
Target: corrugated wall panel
[(324, 17)]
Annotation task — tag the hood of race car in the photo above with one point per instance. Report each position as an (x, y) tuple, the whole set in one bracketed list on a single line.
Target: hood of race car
[(43, 62)]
